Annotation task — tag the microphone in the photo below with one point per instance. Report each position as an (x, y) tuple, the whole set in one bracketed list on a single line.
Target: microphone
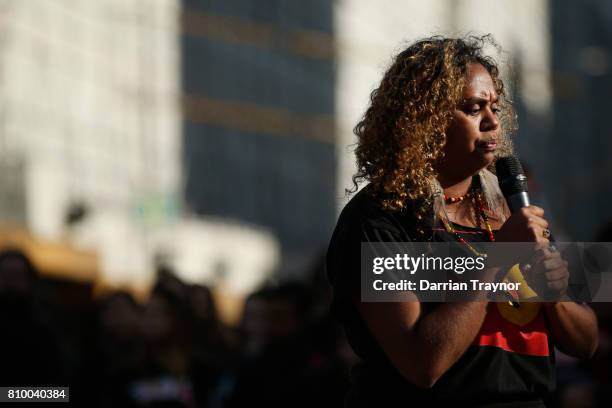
[(512, 182), (513, 185)]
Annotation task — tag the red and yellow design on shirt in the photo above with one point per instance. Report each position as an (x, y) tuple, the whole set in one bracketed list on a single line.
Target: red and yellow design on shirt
[(516, 328)]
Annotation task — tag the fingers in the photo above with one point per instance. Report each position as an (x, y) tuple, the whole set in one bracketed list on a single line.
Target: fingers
[(525, 225), (555, 275), (559, 285), (537, 222), (553, 262), (540, 235), (536, 225), (559, 273), (547, 259), (533, 210), (550, 273)]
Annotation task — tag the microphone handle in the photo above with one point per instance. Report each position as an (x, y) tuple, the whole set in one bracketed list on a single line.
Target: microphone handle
[(517, 201)]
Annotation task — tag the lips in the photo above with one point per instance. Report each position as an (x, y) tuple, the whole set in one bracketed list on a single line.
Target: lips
[(488, 146)]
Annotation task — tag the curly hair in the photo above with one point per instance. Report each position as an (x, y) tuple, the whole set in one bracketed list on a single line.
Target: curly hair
[(402, 134)]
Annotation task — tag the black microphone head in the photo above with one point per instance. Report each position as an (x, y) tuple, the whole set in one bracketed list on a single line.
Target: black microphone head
[(510, 175)]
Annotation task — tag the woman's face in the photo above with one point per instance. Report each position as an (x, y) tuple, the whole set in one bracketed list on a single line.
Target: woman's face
[(473, 135)]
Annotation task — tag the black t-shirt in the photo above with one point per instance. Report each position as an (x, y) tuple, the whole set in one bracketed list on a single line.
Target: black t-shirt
[(510, 362)]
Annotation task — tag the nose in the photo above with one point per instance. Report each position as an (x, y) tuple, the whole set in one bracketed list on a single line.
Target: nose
[(490, 121)]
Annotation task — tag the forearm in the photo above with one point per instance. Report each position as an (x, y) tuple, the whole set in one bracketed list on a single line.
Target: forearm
[(421, 344), (444, 335), (424, 342), (573, 327)]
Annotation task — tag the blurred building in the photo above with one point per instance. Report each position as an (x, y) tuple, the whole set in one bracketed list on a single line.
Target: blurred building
[(89, 105), (91, 140), (90, 119), (258, 79), (578, 159)]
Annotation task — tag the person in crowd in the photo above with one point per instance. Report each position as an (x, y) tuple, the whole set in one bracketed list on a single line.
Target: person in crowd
[(117, 355), (31, 352), (167, 340)]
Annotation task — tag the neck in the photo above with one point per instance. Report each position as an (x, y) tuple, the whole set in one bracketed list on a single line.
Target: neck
[(455, 187)]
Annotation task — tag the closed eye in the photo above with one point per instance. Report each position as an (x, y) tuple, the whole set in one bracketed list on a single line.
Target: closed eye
[(473, 110), (473, 106)]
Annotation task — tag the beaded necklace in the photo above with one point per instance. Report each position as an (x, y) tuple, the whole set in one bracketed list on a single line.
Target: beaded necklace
[(452, 200), (478, 205)]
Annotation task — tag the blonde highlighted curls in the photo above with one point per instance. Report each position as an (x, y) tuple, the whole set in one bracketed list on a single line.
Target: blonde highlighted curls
[(402, 134)]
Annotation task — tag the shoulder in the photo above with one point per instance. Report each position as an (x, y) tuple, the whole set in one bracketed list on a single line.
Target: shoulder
[(363, 219), (365, 210)]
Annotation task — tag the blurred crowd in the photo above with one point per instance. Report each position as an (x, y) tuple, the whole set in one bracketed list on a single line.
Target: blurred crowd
[(582, 384), (172, 350)]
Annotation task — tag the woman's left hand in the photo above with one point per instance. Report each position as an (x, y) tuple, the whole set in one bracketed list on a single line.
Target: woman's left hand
[(548, 274)]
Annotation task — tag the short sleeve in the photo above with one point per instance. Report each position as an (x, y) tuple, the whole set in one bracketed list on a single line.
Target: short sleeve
[(344, 254)]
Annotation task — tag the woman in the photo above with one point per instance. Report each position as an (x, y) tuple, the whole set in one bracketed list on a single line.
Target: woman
[(426, 145)]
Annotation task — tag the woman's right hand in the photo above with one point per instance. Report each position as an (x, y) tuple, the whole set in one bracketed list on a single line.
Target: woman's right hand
[(524, 225)]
